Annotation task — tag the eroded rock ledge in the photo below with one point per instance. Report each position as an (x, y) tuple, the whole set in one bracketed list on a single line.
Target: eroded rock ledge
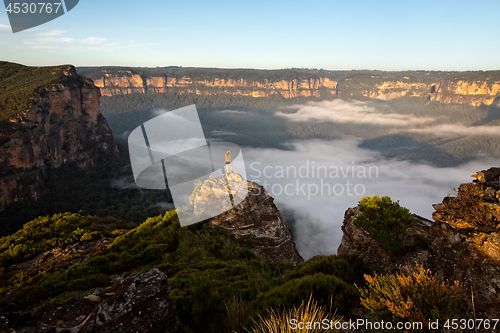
[(256, 218)]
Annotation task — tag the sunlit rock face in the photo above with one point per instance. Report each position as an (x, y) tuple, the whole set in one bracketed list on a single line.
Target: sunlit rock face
[(125, 82), (463, 242), (473, 93), (471, 88), (255, 218)]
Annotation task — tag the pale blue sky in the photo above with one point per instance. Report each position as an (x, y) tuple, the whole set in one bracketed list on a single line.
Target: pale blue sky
[(355, 34)]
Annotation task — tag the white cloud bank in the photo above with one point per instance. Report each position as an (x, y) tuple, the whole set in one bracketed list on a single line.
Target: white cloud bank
[(355, 112)]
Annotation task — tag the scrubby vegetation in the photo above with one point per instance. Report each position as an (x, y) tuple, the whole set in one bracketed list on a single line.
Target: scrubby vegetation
[(413, 296), (217, 282), (385, 221), (45, 233), (107, 190)]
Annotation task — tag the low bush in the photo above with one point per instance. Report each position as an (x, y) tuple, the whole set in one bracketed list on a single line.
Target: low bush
[(327, 290), (415, 295), (385, 221), (347, 267)]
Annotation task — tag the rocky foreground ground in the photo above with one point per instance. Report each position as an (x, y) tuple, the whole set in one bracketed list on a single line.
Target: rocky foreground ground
[(462, 243)]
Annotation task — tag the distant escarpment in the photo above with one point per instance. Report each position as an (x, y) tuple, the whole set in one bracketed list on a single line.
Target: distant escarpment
[(468, 88), (472, 88), (255, 219), (126, 82), (49, 116), (463, 242)]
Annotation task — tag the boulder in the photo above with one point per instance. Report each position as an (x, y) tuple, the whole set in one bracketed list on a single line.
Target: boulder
[(138, 303)]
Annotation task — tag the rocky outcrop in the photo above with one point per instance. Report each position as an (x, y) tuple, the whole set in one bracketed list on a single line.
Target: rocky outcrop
[(356, 240), (62, 124), (463, 242), (255, 218), (138, 303)]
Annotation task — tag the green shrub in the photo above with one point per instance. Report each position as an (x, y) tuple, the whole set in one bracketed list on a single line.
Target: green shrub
[(327, 290), (385, 221), (99, 262), (86, 237), (26, 295), (53, 282), (47, 232), (207, 302), (413, 296), (91, 236), (348, 267), (89, 282), (79, 271), (154, 252)]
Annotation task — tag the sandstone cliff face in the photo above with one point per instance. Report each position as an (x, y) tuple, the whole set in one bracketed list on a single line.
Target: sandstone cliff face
[(464, 89), (473, 93), (256, 218), (462, 244), (397, 89), (62, 124), (125, 82)]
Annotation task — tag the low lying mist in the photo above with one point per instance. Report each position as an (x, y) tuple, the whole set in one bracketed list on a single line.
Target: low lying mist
[(317, 180)]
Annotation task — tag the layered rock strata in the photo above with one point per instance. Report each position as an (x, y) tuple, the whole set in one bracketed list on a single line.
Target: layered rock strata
[(62, 124), (255, 218)]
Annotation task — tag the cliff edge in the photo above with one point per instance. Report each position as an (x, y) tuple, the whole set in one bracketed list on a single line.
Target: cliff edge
[(255, 218), (49, 116)]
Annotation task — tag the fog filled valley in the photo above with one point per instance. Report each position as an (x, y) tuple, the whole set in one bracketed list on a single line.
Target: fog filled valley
[(319, 158), (336, 163)]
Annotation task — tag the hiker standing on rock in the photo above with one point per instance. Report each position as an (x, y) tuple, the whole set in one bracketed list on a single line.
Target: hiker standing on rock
[(228, 162)]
